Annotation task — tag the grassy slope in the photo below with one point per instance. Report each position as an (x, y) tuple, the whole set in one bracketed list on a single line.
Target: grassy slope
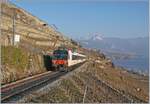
[(14, 57)]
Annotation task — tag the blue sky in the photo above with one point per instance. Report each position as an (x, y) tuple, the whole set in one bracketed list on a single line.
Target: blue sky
[(79, 18)]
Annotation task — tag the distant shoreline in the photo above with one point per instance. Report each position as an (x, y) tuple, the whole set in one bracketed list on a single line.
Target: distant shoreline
[(135, 70), (134, 63)]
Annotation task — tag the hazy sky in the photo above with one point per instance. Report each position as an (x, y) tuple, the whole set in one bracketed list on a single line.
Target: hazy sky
[(79, 18)]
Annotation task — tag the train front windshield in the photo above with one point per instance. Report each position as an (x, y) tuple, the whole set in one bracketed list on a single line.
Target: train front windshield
[(60, 54)]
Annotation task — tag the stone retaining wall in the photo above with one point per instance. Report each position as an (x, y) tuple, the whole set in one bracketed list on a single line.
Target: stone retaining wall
[(19, 22)]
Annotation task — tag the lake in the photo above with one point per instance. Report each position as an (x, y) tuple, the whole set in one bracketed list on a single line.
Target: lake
[(138, 64)]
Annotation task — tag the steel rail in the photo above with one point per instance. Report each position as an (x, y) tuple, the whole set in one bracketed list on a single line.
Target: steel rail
[(15, 88)]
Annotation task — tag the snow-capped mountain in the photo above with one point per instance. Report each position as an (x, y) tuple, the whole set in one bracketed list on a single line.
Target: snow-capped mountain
[(96, 36)]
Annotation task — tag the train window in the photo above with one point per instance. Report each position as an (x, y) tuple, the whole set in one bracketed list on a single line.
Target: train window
[(75, 57), (61, 54)]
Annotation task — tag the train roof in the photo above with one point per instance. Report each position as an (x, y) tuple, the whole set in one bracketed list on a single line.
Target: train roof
[(78, 54)]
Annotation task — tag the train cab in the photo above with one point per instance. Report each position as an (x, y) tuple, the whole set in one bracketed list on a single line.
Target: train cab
[(64, 58)]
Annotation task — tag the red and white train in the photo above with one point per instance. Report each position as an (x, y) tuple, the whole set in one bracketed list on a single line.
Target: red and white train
[(63, 58)]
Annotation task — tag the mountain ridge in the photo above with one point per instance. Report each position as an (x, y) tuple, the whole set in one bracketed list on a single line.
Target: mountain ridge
[(137, 45)]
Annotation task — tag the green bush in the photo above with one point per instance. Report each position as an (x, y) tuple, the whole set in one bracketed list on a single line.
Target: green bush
[(14, 57)]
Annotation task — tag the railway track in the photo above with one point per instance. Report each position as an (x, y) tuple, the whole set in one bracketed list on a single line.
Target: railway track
[(20, 87), (28, 85)]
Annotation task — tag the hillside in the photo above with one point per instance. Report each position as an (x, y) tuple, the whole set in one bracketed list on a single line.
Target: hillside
[(26, 57), (103, 84)]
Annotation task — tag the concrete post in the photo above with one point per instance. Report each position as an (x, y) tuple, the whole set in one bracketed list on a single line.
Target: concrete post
[(13, 42), (84, 94)]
